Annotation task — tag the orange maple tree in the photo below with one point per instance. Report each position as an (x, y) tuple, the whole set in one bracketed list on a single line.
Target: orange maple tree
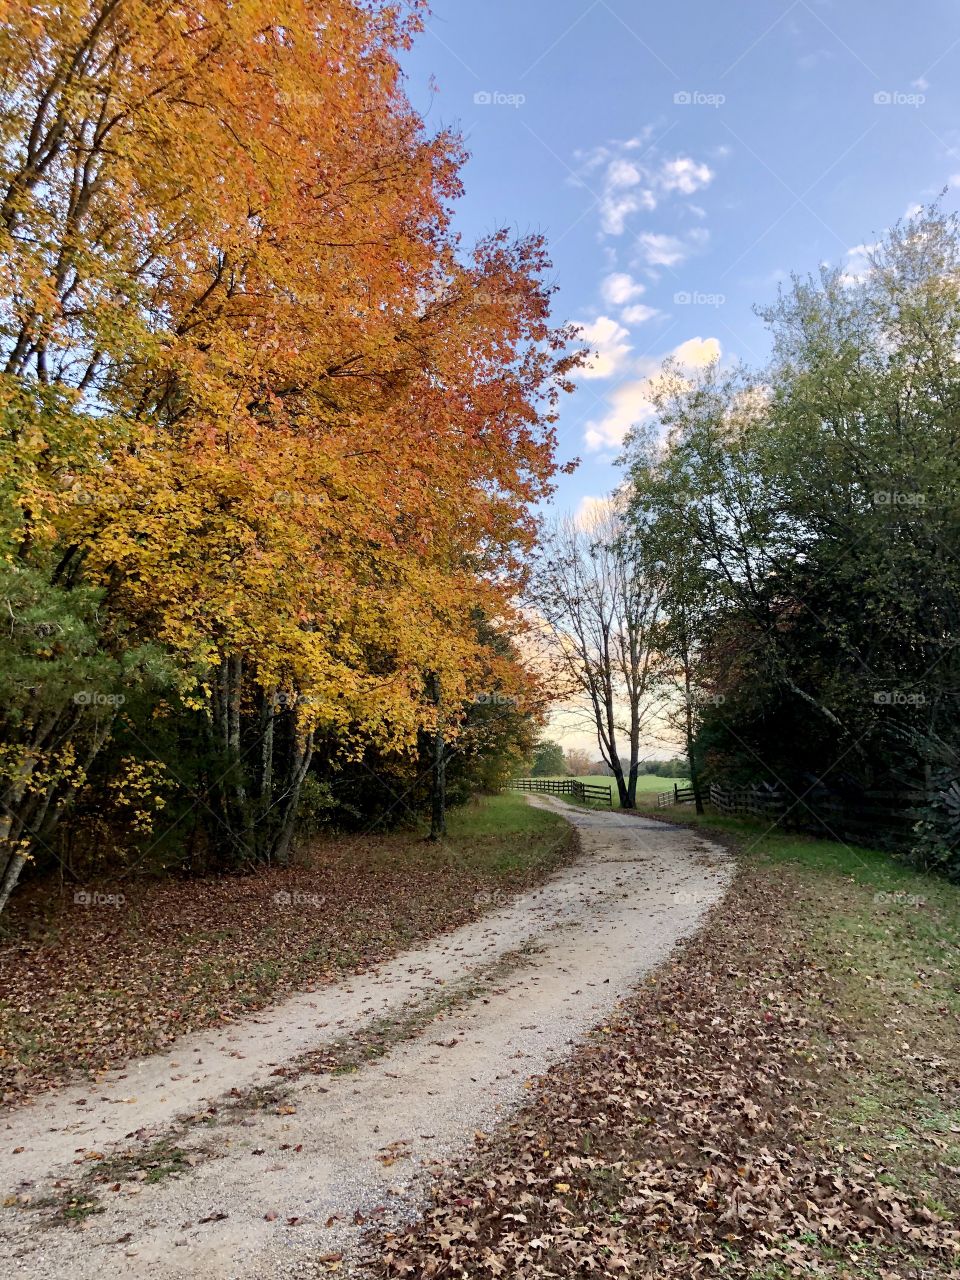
[(255, 396)]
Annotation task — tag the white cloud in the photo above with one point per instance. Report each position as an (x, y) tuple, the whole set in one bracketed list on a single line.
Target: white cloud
[(630, 403), (608, 342), (697, 353), (614, 212), (592, 511), (627, 184), (685, 175), (638, 313), (619, 288), (603, 153), (660, 250), (623, 173)]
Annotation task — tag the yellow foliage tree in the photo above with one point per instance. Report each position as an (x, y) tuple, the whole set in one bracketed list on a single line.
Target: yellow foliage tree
[(256, 397)]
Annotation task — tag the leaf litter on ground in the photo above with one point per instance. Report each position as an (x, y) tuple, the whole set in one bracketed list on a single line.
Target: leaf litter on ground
[(84, 989), (706, 1131)]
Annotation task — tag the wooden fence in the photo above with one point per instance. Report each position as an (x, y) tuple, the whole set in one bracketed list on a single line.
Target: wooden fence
[(679, 795), (585, 792), (879, 817), (760, 800)]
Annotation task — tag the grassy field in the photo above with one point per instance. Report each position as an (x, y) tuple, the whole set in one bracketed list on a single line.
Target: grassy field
[(87, 986), (900, 922), (648, 786), (500, 836)]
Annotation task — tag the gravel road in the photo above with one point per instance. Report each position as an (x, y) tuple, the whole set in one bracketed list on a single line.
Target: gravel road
[(277, 1191)]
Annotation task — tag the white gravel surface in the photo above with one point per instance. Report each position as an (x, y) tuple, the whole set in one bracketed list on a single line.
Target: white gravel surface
[(353, 1143)]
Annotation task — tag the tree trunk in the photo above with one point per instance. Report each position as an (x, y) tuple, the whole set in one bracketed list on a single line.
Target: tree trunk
[(611, 751), (15, 864), (266, 754), (234, 684), (621, 783), (694, 774), (233, 832), (301, 755), (261, 799), (17, 859), (632, 785), (438, 768)]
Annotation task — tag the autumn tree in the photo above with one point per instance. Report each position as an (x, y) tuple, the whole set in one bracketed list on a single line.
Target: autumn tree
[(241, 345), (579, 762)]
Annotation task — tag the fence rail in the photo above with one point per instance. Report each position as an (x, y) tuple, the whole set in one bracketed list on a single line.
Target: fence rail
[(585, 792), (679, 795), (878, 816)]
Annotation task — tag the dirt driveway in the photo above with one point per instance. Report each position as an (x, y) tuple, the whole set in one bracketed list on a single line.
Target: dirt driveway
[(225, 1162)]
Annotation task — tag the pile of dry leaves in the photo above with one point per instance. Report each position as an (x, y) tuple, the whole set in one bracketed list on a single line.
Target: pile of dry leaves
[(688, 1137)]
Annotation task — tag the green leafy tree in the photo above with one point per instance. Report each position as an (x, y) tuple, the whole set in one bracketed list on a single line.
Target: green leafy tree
[(548, 760), (806, 519)]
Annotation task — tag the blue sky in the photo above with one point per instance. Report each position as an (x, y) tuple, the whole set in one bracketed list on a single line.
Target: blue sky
[(683, 158)]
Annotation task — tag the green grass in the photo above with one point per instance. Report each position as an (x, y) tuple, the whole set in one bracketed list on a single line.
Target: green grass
[(871, 868), (648, 786), (502, 836), (650, 782), (504, 815)]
